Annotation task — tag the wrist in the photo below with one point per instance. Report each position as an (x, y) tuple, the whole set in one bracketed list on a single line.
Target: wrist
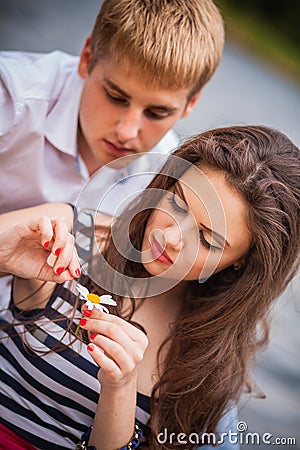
[(132, 444), (120, 386)]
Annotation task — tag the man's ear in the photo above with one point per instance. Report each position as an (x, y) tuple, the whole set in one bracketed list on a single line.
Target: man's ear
[(190, 105), (85, 58)]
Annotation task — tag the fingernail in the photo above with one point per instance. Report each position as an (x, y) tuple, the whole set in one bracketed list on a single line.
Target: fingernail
[(93, 335), (82, 322), (58, 251), (46, 245), (60, 270), (78, 272), (90, 347), (87, 313)]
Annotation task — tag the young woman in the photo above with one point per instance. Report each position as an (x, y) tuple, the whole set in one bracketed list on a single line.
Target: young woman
[(194, 264)]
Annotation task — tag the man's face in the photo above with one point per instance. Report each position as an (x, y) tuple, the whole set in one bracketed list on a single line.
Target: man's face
[(121, 115)]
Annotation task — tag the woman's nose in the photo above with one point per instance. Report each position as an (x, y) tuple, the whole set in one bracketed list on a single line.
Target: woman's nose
[(173, 237)]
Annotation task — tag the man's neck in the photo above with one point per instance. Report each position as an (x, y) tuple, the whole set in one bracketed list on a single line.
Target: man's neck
[(84, 151)]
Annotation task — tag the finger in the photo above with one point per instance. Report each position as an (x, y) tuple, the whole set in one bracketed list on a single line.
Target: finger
[(65, 255), (109, 330), (125, 360), (61, 235), (42, 225), (47, 274), (74, 266), (110, 368), (132, 331), (134, 347)]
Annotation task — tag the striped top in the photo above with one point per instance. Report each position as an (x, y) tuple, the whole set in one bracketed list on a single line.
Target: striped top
[(50, 398)]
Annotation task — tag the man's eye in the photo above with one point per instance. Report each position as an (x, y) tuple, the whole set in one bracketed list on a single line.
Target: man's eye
[(114, 98), (154, 115)]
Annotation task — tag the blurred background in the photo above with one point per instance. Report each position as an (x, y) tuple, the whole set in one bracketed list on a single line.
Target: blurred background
[(258, 82)]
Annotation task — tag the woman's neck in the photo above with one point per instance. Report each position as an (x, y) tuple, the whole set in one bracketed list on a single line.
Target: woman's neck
[(170, 300)]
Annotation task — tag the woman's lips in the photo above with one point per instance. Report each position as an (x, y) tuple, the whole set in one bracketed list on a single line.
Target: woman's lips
[(159, 254), (117, 151)]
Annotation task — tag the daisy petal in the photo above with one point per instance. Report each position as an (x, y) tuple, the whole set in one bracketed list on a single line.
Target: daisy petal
[(104, 309), (82, 290), (107, 300), (98, 306), (89, 305)]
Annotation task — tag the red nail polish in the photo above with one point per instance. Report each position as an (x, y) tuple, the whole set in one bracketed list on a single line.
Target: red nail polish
[(87, 313), (60, 270), (46, 245), (78, 272), (93, 335), (82, 322), (58, 251), (90, 347)]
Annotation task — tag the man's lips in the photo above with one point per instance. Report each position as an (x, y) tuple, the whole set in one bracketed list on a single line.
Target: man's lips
[(158, 253), (117, 150)]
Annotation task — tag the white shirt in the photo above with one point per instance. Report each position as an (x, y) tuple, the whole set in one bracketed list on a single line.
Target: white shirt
[(39, 104)]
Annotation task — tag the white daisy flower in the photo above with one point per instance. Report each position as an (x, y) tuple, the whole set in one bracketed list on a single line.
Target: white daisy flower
[(94, 300)]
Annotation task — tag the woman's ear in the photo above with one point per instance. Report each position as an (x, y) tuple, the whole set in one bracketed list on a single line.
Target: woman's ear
[(239, 264), (85, 58)]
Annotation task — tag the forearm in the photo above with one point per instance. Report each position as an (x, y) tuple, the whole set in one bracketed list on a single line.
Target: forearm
[(115, 417), (12, 218)]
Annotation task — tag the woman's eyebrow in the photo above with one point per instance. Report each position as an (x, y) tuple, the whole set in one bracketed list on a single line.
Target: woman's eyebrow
[(179, 191), (221, 240)]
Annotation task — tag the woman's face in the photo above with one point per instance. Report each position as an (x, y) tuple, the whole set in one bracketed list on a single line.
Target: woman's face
[(198, 231)]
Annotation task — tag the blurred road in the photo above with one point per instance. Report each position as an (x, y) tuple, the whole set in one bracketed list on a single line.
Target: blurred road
[(243, 91)]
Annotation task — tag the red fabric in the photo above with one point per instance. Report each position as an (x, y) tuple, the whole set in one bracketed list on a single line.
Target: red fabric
[(11, 441)]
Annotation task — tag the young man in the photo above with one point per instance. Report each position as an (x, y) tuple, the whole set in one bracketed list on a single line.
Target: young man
[(61, 119), (140, 70)]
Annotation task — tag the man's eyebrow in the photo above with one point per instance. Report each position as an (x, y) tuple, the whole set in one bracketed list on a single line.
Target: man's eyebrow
[(162, 108), (221, 240), (117, 88)]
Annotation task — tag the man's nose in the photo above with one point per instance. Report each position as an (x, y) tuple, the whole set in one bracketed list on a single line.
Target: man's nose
[(128, 126)]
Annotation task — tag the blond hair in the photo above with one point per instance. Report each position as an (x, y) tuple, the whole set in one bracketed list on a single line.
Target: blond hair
[(171, 43)]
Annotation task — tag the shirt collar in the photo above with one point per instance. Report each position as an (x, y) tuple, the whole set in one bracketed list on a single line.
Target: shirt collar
[(62, 121)]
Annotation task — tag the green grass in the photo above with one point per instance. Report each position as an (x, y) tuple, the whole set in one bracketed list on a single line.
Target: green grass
[(263, 40)]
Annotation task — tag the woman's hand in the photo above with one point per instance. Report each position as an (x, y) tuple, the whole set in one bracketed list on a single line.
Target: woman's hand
[(117, 347), (25, 249)]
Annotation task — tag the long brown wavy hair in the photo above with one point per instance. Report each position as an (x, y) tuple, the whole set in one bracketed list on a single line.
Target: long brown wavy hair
[(223, 321)]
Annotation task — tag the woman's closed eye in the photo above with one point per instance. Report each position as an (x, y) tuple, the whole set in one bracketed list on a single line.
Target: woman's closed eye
[(207, 244), (174, 202), (175, 205)]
